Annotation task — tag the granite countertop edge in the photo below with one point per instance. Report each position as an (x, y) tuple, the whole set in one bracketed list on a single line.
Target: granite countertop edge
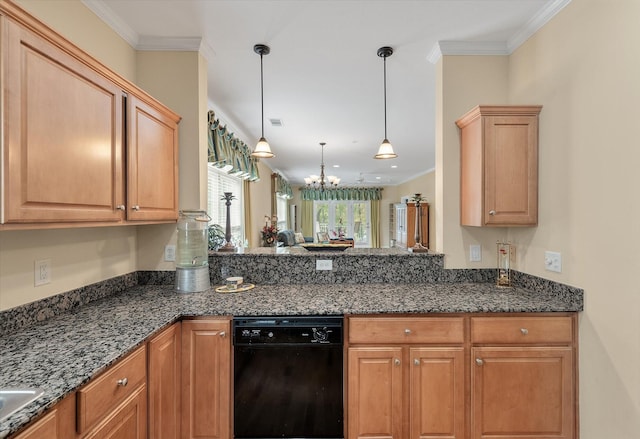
[(98, 334)]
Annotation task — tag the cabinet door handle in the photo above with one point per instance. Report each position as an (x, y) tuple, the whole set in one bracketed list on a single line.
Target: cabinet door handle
[(479, 361), (223, 334), (407, 331), (123, 382), (492, 212), (120, 207), (136, 207), (396, 362), (524, 331), (416, 362)]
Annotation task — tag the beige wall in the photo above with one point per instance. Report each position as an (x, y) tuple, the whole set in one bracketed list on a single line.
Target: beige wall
[(464, 81), (583, 67)]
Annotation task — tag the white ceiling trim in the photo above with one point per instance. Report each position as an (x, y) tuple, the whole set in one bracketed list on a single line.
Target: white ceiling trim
[(179, 44), (113, 21), (496, 47)]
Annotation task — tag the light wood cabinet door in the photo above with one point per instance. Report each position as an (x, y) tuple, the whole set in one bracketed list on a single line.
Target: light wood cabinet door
[(57, 423), (522, 392), (63, 135), (499, 166), (164, 384), (375, 394), (437, 393), (127, 421), (206, 379), (152, 162)]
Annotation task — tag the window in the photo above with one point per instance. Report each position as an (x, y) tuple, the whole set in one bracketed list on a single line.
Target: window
[(343, 219), (281, 206), (218, 183)]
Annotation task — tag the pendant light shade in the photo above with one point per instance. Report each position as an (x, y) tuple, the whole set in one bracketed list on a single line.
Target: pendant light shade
[(386, 150), (262, 150)]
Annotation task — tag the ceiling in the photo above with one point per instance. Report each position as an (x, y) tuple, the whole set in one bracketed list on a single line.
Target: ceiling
[(323, 79)]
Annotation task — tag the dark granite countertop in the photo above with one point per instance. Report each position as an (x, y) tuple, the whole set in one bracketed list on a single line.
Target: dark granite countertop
[(64, 352)]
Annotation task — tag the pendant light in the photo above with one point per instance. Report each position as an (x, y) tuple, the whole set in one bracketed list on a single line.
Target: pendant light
[(263, 150), (386, 150)]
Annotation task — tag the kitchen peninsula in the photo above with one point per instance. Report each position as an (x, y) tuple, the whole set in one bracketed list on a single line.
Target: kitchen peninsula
[(66, 351)]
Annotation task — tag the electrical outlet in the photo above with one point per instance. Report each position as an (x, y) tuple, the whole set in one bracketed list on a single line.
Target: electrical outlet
[(169, 253), (42, 272), (475, 253), (324, 264), (553, 261)]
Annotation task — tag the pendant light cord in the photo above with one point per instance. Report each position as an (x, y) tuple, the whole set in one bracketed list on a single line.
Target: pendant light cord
[(262, 97), (384, 63)]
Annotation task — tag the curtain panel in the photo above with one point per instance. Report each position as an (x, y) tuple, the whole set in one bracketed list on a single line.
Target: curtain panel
[(226, 150), (282, 186), (348, 193)]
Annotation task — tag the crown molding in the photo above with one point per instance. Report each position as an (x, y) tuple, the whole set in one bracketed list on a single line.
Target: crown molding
[(498, 47), (105, 13), (145, 42), (537, 21)]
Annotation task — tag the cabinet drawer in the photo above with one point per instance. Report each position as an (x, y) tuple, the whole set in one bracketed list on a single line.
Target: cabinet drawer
[(521, 330), (103, 393), (376, 330)]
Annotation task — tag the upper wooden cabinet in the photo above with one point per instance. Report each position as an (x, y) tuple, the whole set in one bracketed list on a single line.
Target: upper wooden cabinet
[(69, 125), (499, 166), (152, 162)]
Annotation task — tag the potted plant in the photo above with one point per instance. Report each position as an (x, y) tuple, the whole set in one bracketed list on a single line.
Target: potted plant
[(216, 237)]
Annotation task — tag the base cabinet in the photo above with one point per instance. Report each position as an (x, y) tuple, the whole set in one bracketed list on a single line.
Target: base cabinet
[(164, 394), (523, 380), (411, 387), (127, 421), (206, 379), (57, 423)]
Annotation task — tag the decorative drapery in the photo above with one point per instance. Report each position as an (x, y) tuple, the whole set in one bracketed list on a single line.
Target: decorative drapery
[(282, 186), (227, 150), (347, 193)]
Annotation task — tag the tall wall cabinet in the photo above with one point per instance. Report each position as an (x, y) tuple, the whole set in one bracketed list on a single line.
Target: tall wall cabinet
[(499, 166), (80, 144)]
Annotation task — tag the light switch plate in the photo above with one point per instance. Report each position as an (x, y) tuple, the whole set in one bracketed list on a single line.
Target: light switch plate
[(169, 252), (475, 253), (553, 261)]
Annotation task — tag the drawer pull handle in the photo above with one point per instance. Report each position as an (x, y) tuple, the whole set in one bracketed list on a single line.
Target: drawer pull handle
[(407, 331), (396, 362), (136, 207), (123, 382), (120, 207), (416, 362), (524, 331), (479, 361), (492, 212), (223, 334)]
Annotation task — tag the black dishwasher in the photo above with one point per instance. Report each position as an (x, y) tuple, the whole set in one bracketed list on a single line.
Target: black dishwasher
[(288, 379)]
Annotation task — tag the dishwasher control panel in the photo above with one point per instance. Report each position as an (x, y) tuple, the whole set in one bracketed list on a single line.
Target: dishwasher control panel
[(288, 330)]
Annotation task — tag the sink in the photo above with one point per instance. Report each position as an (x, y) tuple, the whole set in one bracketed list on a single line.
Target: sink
[(13, 399)]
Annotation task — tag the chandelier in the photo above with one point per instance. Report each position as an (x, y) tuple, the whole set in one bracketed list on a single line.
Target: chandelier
[(320, 181)]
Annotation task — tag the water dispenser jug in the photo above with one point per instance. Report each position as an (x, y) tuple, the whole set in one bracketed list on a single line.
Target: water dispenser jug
[(192, 256)]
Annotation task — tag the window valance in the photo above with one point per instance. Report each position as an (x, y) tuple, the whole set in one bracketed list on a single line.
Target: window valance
[(348, 193), (226, 150), (282, 186)]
